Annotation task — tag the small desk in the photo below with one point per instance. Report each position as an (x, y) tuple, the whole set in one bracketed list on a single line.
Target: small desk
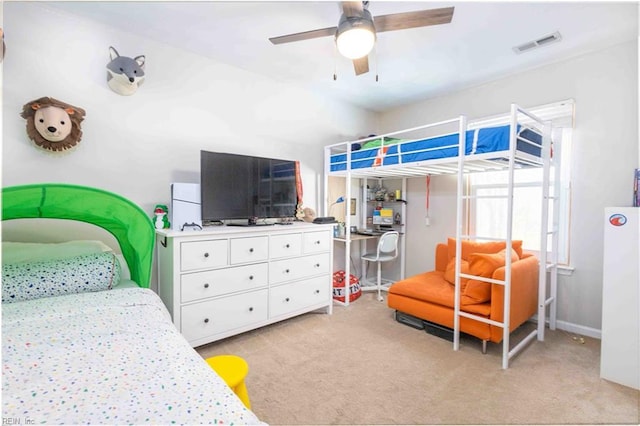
[(363, 265), (363, 246), (356, 237)]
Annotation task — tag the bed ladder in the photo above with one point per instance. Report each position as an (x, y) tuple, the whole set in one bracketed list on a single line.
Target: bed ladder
[(549, 263), (507, 353), (506, 283)]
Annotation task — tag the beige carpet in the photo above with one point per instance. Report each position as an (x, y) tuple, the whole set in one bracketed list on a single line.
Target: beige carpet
[(360, 366)]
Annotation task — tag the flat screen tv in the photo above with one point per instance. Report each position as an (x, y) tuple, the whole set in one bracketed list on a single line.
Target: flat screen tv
[(244, 190)]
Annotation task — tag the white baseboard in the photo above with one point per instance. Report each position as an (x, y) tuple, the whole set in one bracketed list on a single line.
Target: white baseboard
[(579, 329), (574, 328)]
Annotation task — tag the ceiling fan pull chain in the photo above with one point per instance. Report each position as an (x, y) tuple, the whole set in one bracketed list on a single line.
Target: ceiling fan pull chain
[(335, 61), (376, 54)]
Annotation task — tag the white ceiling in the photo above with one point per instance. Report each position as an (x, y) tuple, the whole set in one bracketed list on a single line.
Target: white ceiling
[(412, 64)]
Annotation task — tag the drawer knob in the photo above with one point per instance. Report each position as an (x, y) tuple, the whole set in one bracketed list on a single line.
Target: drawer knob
[(317, 265), (206, 285), (286, 271), (286, 300), (287, 246), (206, 320), (206, 255), (251, 309), (251, 250), (317, 291), (251, 277), (317, 241)]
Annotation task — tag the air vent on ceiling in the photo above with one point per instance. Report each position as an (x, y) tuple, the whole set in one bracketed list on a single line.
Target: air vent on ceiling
[(543, 41)]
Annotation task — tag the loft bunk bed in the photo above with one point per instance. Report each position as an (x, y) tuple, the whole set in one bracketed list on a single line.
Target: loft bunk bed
[(517, 140)]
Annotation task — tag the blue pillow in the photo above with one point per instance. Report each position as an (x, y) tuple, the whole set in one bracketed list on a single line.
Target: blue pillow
[(92, 272)]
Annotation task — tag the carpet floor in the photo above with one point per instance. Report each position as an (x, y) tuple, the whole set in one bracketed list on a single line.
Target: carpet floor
[(360, 366)]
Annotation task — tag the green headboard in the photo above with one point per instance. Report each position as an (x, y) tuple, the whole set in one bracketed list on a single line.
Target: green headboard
[(126, 221)]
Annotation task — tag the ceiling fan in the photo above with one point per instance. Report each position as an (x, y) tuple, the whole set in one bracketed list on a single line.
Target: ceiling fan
[(355, 34)]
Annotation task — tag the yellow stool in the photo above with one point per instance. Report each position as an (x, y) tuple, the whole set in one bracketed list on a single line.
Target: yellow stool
[(233, 370)]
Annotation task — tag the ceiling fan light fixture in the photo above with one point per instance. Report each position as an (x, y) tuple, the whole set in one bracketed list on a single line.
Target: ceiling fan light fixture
[(356, 36)]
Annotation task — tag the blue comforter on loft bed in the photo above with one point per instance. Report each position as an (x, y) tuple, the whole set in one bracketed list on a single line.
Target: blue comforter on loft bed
[(478, 141)]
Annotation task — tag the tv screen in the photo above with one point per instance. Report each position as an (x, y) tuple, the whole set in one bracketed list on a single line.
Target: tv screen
[(237, 186)]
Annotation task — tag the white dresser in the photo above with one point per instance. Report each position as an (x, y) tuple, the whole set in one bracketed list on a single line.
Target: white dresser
[(227, 280)]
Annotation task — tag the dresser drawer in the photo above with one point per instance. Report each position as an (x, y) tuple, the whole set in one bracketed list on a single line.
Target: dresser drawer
[(200, 285), (286, 245), (250, 249), (298, 295), (301, 267), (204, 319), (316, 242), (203, 254)]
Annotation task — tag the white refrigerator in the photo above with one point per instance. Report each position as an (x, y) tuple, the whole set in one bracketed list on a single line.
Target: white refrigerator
[(620, 345)]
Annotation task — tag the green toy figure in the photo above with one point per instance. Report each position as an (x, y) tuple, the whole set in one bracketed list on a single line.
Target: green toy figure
[(162, 217)]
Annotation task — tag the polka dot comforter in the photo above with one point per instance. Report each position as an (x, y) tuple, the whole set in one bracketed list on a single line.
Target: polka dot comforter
[(108, 357)]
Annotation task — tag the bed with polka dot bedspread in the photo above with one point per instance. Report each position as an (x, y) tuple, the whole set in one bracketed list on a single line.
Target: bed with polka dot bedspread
[(107, 357)]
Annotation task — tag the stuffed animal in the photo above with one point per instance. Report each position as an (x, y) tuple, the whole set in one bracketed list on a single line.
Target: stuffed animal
[(309, 214), (52, 124), (162, 217), (124, 74)]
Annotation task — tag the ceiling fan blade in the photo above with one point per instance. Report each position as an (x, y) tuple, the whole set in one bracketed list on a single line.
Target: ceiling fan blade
[(324, 32), (352, 8), (361, 65), (421, 18)]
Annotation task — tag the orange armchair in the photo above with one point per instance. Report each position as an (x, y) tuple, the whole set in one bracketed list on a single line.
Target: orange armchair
[(430, 295)]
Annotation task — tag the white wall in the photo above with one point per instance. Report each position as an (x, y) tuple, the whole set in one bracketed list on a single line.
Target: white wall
[(604, 85), (136, 145)]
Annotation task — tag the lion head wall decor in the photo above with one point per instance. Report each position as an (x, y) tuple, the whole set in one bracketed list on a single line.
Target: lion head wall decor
[(52, 124), (125, 75)]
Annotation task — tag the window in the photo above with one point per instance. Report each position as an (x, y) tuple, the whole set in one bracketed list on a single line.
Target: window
[(488, 216)]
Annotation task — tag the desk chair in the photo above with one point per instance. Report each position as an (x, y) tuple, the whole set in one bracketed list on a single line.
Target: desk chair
[(386, 250)]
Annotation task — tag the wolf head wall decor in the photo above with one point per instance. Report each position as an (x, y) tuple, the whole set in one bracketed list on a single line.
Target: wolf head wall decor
[(124, 74)]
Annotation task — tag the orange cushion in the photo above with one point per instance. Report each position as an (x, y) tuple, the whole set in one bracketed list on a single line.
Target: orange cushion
[(432, 288), (484, 265), (469, 247), (429, 287), (450, 272)]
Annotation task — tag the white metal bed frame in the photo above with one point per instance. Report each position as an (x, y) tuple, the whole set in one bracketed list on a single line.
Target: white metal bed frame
[(507, 160)]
